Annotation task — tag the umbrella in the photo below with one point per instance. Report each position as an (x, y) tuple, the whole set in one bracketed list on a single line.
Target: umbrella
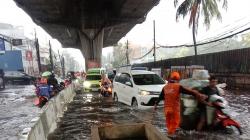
[(46, 74)]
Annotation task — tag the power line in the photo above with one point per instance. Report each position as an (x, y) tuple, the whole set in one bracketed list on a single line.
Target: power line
[(229, 25), (208, 42), (210, 47), (145, 54), (199, 44), (226, 32)]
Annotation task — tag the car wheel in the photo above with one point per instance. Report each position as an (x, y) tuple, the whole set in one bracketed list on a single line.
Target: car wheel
[(115, 98), (134, 104)]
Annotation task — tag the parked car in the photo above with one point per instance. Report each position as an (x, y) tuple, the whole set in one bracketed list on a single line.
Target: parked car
[(137, 88), (17, 77)]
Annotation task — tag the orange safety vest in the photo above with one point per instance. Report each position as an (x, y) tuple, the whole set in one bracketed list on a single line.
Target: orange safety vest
[(172, 97)]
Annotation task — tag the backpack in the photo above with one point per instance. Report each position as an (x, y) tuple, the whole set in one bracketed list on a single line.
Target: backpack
[(45, 90)]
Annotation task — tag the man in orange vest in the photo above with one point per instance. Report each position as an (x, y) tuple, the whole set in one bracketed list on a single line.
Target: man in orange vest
[(171, 96)]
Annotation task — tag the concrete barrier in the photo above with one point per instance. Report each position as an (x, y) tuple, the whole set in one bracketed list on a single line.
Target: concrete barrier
[(51, 113), (127, 131)]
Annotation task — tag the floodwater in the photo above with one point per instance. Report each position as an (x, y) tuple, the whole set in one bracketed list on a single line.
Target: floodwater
[(90, 109), (16, 111)]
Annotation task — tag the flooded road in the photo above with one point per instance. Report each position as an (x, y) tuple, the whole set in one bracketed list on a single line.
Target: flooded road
[(89, 109), (16, 111)]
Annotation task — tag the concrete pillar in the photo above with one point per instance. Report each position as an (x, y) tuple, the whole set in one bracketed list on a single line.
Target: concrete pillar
[(91, 47)]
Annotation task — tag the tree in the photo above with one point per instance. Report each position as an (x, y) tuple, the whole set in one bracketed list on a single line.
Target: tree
[(208, 8), (246, 40), (119, 55)]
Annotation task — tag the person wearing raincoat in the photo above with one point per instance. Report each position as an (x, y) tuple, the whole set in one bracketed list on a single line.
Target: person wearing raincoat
[(171, 96)]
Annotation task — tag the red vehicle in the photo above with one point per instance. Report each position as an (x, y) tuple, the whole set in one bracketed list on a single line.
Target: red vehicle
[(222, 121)]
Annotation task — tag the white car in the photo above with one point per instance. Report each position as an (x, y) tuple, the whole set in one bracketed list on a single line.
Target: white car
[(138, 88)]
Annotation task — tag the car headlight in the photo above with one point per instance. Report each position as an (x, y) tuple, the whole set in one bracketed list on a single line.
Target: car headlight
[(86, 84), (144, 93)]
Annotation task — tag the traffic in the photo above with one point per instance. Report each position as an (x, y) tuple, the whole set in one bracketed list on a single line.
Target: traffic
[(141, 89)]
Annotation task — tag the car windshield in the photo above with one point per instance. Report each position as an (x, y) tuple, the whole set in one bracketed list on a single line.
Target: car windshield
[(147, 79), (93, 77)]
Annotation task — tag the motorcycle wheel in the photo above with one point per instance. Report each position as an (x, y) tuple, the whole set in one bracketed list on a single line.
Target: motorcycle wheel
[(237, 130), (233, 130)]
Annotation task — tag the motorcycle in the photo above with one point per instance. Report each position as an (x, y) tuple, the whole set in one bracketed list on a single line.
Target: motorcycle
[(221, 120), (44, 93), (106, 90)]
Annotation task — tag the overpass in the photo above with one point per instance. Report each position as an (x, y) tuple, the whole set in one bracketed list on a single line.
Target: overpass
[(88, 25)]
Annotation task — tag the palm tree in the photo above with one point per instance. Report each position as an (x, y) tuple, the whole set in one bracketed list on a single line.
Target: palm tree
[(208, 9)]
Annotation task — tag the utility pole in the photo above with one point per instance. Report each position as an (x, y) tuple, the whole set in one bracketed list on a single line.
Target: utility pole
[(37, 53), (127, 53), (51, 57), (154, 41)]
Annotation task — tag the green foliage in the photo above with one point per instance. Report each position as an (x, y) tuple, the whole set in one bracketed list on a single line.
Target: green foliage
[(208, 9)]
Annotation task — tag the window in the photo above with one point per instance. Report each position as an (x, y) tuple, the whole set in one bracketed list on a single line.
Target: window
[(117, 78), (93, 77), (148, 79), (125, 78)]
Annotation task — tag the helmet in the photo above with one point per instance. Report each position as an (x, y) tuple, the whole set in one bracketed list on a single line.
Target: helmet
[(175, 76)]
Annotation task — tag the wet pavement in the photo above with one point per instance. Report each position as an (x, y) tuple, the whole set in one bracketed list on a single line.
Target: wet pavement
[(16, 111), (89, 109)]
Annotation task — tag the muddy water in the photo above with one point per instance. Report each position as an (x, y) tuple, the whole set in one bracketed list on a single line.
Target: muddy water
[(16, 111), (89, 109)]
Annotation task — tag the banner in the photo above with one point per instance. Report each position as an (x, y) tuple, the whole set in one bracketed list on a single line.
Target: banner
[(93, 64), (17, 42), (2, 46), (29, 55)]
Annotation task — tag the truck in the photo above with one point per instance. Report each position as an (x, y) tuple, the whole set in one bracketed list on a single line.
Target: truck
[(11, 61)]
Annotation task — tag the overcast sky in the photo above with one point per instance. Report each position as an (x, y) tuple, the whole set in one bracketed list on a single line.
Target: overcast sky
[(168, 31), (10, 13)]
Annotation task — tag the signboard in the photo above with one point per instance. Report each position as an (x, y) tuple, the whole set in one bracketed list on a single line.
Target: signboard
[(29, 55), (17, 42), (2, 46)]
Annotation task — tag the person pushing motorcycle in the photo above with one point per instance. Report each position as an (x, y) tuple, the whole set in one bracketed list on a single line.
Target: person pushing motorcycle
[(171, 96), (104, 81), (209, 90)]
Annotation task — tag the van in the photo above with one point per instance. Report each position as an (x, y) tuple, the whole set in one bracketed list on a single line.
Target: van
[(93, 79)]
